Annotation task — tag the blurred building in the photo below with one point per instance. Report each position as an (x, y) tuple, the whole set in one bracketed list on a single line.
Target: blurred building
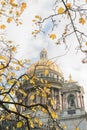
[(68, 95)]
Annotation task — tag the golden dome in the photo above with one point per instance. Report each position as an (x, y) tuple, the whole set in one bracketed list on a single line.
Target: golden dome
[(44, 64)]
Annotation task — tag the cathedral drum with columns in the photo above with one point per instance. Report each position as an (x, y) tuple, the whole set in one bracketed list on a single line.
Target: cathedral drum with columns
[(68, 95)]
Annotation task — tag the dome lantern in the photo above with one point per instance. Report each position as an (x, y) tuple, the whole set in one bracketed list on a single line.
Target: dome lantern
[(43, 54)]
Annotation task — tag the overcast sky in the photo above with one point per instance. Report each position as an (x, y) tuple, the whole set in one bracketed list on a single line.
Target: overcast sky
[(30, 47)]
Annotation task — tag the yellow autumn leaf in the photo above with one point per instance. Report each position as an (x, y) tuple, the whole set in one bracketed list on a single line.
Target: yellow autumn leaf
[(1, 117), (8, 116), (12, 92), (3, 2), (68, 5), (13, 49), (52, 102), (43, 95), (76, 128), (33, 20), (23, 6), (12, 108), (11, 74), (7, 98), (31, 124), (7, 127), (36, 120), (20, 23), (18, 63), (4, 58), (46, 72), (17, 68), (9, 20), (19, 124), (42, 81), (86, 43), (11, 1), (17, 13), (38, 17), (53, 36), (11, 82), (61, 10), (44, 110), (22, 92), (26, 128), (13, 128), (40, 123), (32, 82), (0, 77), (33, 109), (82, 20), (47, 90), (1, 71), (54, 115), (1, 87), (32, 97), (10, 12), (2, 26), (1, 66), (64, 127), (25, 77), (10, 41), (46, 81)]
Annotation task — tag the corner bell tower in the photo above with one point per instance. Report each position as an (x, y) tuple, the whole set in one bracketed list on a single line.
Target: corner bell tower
[(72, 98)]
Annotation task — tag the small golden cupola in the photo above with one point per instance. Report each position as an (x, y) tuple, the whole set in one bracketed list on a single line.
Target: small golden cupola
[(70, 79)]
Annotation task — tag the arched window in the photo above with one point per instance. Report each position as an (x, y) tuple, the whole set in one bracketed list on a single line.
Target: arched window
[(57, 77), (71, 101), (42, 75)]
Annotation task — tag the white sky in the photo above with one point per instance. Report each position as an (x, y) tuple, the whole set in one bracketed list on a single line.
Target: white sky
[(30, 47)]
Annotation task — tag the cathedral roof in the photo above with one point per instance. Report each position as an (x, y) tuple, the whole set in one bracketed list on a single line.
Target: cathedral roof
[(44, 64)]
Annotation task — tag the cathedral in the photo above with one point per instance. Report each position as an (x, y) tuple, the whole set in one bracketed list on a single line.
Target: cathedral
[(67, 94)]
